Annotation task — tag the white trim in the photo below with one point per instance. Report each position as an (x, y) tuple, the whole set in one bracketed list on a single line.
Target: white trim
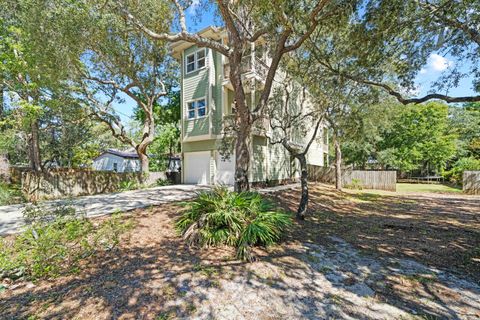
[(195, 60)]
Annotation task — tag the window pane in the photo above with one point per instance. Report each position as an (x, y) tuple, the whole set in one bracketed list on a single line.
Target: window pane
[(190, 63), (191, 114), (200, 54), (201, 108), (201, 63), (191, 105), (201, 59)]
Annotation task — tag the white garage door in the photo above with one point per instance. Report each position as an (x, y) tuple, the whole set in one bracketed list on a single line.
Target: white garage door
[(197, 167), (225, 174)]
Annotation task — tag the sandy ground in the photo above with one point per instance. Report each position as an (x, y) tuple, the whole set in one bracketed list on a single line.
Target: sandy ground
[(335, 265)]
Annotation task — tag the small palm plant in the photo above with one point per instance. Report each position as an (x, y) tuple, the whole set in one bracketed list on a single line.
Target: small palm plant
[(242, 220)]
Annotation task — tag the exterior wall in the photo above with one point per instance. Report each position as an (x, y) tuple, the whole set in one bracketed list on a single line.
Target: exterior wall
[(217, 93), (259, 159), (268, 162), (105, 162), (279, 166), (202, 145), (195, 85)]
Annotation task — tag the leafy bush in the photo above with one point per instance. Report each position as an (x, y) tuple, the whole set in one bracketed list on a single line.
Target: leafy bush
[(128, 185), (356, 184), (242, 220), (54, 242), (455, 174), (163, 182), (10, 194)]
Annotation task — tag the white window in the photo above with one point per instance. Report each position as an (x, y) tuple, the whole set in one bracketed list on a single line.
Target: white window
[(195, 61), (196, 109), (200, 59), (190, 63)]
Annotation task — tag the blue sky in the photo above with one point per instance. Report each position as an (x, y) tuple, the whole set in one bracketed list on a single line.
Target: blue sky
[(197, 19), (200, 18)]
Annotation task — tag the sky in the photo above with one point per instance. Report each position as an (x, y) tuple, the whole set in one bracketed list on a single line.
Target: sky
[(199, 18)]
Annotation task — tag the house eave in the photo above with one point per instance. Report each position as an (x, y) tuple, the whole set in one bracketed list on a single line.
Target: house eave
[(210, 32)]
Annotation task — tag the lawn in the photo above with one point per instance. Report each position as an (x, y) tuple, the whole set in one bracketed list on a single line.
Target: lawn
[(426, 188), (357, 255)]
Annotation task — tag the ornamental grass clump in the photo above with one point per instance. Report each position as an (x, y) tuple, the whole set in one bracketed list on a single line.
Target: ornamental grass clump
[(55, 242), (241, 220)]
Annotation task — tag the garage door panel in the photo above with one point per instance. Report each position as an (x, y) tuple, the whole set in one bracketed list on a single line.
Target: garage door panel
[(197, 167), (225, 174)]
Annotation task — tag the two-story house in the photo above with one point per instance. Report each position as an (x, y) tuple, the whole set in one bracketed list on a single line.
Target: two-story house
[(207, 100)]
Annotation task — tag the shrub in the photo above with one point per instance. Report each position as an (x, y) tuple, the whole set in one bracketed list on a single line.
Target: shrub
[(242, 220), (455, 174), (128, 185), (10, 194), (163, 182), (356, 184), (54, 242)]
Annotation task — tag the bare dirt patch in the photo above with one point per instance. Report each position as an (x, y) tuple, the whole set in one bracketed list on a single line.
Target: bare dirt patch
[(314, 274), (438, 230)]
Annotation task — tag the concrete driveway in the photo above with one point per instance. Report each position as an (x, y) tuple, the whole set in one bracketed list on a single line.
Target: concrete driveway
[(11, 219)]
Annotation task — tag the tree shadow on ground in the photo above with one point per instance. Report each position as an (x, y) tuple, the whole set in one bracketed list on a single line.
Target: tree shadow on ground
[(311, 275)]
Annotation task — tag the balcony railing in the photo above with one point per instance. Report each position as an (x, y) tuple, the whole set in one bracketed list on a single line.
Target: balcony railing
[(256, 66)]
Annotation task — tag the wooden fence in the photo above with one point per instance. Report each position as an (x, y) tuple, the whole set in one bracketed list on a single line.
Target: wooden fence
[(368, 179), (471, 182), (70, 183), (321, 174), (381, 180)]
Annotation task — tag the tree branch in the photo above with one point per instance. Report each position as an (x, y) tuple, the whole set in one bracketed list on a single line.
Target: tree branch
[(391, 91), (183, 35), (313, 25)]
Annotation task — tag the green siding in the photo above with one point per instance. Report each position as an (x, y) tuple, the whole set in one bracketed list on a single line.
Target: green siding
[(258, 164), (217, 94), (203, 145), (195, 86), (196, 127), (268, 161)]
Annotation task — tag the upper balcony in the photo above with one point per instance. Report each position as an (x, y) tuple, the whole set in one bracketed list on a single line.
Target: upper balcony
[(252, 68)]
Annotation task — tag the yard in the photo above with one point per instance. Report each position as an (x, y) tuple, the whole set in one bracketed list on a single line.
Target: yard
[(359, 254)]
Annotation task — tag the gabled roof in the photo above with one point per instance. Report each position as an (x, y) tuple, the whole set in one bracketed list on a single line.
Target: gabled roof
[(123, 154), (211, 32)]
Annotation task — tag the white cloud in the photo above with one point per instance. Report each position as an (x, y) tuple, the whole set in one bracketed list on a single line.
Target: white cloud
[(423, 71), (438, 63)]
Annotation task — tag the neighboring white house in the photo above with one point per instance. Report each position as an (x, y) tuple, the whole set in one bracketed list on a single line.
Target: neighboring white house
[(118, 161)]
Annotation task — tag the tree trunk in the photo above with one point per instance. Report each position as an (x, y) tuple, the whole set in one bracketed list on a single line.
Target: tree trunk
[(242, 160), (303, 206), (34, 147), (242, 126), (338, 165), (144, 162), (147, 138)]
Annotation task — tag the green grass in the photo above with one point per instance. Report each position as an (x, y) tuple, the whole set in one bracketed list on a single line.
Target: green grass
[(426, 188)]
